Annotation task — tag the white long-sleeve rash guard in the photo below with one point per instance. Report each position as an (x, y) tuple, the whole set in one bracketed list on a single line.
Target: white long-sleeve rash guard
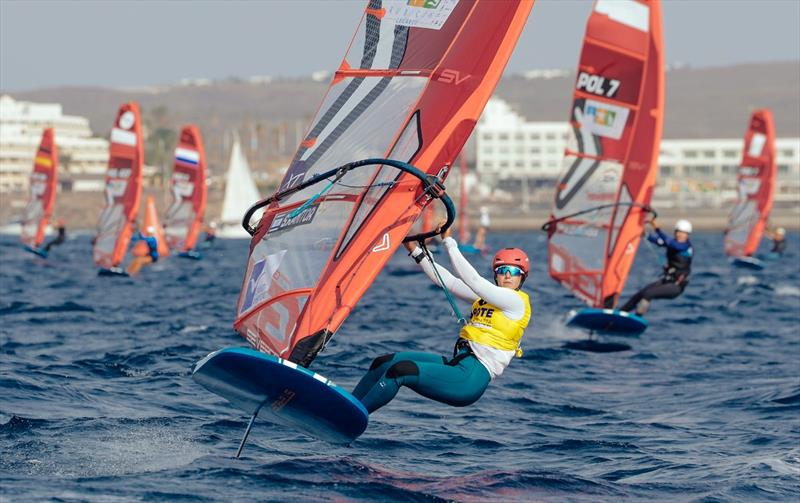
[(470, 286)]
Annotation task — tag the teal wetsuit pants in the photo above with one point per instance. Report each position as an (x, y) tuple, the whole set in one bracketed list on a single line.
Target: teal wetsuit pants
[(458, 382)]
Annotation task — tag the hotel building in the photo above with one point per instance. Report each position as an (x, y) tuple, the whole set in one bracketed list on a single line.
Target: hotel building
[(512, 153)]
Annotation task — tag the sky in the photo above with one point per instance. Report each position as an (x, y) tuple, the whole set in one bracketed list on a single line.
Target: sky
[(120, 43)]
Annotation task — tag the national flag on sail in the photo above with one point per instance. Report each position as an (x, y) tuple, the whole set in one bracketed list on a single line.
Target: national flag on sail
[(187, 156)]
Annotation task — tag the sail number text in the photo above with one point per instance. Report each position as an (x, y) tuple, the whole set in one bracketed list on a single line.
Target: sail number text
[(598, 85)]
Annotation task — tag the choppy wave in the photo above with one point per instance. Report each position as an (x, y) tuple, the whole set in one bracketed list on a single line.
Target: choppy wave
[(97, 403)]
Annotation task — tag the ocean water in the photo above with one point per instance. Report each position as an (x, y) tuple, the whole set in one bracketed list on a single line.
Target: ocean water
[(97, 402)]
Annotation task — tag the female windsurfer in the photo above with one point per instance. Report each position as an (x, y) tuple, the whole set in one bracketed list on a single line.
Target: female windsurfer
[(61, 229), (676, 271), (778, 238), (486, 344), (144, 255)]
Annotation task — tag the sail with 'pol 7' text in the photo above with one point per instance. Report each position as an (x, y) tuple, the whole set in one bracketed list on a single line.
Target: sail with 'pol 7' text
[(603, 194)]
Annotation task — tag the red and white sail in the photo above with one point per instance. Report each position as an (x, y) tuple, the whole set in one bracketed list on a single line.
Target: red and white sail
[(756, 187), (414, 80), (123, 188), (611, 163), (43, 188), (184, 220)]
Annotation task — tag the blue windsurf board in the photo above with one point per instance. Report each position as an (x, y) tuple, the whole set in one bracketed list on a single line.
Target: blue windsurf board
[(469, 249), (748, 263), (36, 251), (191, 254), (112, 271), (608, 321), (286, 392)]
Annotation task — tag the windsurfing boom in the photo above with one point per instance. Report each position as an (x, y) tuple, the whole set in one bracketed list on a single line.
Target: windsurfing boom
[(407, 93)]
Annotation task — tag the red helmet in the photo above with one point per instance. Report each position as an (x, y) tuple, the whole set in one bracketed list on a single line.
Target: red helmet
[(512, 256)]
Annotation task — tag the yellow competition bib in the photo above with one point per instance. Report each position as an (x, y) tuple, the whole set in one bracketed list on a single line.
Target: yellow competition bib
[(488, 325)]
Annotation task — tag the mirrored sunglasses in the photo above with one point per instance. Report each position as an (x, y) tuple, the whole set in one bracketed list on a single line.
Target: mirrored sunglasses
[(508, 269)]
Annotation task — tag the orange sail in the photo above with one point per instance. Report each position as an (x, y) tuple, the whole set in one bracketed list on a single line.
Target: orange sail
[(43, 187), (184, 220), (123, 188), (756, 187), (410, 88), (151, 221), (610, 167)]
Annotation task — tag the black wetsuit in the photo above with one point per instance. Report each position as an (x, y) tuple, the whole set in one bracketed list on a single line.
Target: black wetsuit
[(62, 236), (778, 246), (676, 273)]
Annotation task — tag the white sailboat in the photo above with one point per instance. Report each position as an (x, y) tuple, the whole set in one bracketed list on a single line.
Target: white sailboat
[(240, 194)]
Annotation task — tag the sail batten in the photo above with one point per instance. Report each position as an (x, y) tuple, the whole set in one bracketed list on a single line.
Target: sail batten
[(610, 165), (411, 86)]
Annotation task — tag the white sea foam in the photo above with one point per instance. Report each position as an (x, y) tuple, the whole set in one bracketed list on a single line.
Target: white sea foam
[(193, 328), (782, 467), (121, 450), (787, 290), (556, 329), (747, 280)]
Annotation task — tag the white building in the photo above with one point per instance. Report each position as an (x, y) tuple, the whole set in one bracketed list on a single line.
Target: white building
[(511, 152), (507, 146), (702, 172), (21, 126)]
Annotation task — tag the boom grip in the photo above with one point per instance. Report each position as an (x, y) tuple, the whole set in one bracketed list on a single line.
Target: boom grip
[(451, 217)]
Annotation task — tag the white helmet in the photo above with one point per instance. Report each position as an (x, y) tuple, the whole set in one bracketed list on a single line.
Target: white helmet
[(683, 226), (780, 231), (150, 229)]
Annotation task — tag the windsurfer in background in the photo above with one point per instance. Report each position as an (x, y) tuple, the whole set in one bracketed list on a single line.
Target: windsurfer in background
[(144, 255), (778, 238), (480, 236), (676, 271), (486, 344), (61, 229), (210, 234)]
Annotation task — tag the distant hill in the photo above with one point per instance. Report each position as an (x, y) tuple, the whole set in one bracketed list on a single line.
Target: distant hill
[(701, 103)]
